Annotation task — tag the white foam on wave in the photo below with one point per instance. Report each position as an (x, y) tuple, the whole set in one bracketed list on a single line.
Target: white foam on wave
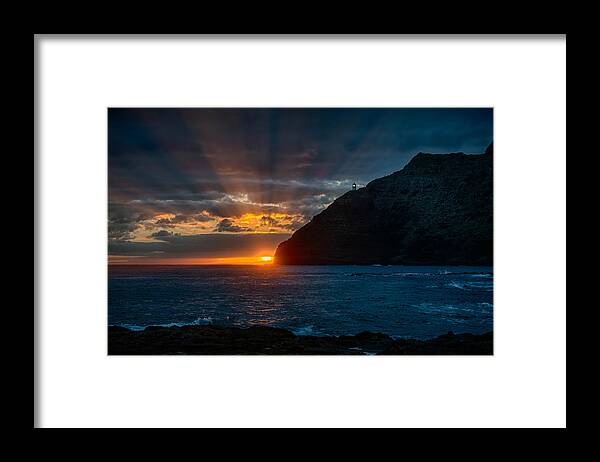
[(421, 274), (470, 285), (197, 322), (132, 326), (305, 330)]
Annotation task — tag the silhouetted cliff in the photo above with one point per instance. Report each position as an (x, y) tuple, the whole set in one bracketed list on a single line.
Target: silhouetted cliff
[(437, 210)]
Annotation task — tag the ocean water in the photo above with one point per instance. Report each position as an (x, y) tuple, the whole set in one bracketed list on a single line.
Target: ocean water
[(401, 301)]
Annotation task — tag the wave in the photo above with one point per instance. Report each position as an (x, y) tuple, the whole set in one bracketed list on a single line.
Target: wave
[(197, 322), (387, 275), (306, 330), (471, 285), (418, 274)]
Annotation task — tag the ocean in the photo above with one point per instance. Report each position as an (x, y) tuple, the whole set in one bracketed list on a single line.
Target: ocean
[(401, 301)]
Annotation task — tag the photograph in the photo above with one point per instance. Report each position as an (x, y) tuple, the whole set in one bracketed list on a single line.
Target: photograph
[(300, 231)]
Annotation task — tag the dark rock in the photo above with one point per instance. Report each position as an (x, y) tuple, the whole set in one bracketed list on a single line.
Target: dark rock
[(437, 210), (117, 329), (217, 340), (449, 344)]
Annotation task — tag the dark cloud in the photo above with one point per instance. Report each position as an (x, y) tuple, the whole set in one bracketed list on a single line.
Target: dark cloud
[(199, 246), (120, 230), (194, 218), (226, 225), (162, 233), (179, 147), (267, 220)]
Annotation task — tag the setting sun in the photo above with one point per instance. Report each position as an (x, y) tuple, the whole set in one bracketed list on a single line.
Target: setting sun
[(266, 258)]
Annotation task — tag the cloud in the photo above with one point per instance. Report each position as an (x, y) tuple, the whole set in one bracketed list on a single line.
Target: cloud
[(201, 245), (121, 230), (226, 225), (183, 218), (267, 220), (179, 147), (162, 233)]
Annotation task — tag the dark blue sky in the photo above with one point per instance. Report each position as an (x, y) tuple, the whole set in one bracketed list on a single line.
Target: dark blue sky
[(213, 178)]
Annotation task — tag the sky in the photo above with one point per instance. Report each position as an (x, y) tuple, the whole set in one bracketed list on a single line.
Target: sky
[(218, 186)]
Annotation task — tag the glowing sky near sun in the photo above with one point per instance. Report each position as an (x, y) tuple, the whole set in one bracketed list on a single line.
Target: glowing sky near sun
[(226, 186)]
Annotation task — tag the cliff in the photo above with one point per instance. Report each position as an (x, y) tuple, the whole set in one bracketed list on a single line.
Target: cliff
[(437, 210)]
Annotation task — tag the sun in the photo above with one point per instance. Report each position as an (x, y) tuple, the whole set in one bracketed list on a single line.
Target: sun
[(266, 258)]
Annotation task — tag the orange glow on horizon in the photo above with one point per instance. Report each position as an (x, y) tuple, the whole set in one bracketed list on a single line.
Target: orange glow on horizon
[(263, 260)]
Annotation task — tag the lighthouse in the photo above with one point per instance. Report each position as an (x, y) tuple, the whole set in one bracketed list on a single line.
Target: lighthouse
[(353, 186)]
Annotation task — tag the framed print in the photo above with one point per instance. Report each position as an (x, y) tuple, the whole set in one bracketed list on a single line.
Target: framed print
[(296, 232)]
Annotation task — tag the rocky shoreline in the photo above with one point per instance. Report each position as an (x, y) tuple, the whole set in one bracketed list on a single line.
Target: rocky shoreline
[(217, 340)]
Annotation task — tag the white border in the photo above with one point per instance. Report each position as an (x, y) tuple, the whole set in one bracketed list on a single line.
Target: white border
[(523, 384)]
